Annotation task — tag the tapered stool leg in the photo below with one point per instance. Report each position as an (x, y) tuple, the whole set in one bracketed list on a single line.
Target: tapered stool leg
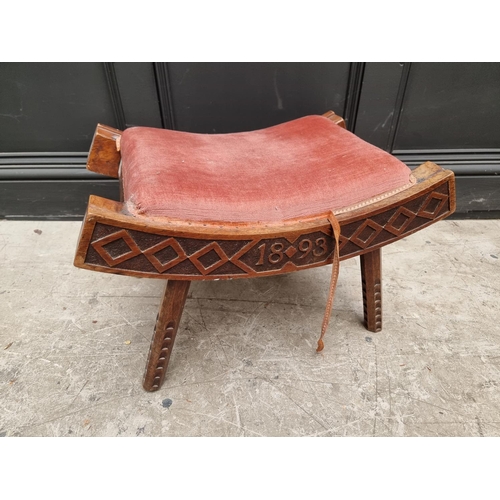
[(167, 323), (371, 277)]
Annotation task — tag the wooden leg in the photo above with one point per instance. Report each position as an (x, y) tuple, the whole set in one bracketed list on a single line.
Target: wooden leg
[(371, 277), (167, 322)]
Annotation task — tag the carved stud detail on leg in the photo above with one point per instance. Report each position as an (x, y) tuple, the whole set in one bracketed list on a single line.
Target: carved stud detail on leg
[(378, 305), (371, 279), (167, 322), (161, 365)]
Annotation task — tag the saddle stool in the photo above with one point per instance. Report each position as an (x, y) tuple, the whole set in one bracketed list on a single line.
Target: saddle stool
[(301, 194)]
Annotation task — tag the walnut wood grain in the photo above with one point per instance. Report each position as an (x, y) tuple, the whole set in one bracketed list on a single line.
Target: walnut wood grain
[(113, 241), (371, 279), (104, 157), (335, 118), (167, 324)]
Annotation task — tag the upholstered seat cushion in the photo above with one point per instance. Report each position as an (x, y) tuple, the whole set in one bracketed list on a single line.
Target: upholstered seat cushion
[(301, 168)]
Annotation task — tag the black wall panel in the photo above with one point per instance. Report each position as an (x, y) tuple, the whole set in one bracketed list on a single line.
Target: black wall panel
[(444, 112), (450, 106), (138, 94), (52, 107), (379, 103), (234, 97), (53, 199)]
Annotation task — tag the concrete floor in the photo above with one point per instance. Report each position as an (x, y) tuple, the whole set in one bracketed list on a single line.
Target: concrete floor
[(73, 345)]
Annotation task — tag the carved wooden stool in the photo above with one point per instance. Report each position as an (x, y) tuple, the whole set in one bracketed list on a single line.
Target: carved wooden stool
[(302, 194)]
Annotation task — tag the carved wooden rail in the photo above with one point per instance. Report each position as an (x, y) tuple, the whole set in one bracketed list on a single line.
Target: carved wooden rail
[(113, 241)]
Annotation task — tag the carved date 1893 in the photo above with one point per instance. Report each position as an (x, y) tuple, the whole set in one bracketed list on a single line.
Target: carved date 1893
[(305, 246)]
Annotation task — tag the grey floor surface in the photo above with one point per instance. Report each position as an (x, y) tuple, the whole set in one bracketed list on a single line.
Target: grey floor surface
[(73, 345)]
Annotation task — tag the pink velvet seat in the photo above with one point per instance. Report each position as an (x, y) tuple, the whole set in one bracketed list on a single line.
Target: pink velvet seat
[(305, 167)]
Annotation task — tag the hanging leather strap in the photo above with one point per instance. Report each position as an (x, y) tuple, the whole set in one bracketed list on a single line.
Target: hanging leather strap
[(333, 280)]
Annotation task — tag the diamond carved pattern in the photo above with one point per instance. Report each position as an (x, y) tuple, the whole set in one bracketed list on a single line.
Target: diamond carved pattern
[(429, 209), (342, 242), (195, 258), (108, 258), (400, 221), (163, 266), (169, 253), (199, 258), (366, 233)]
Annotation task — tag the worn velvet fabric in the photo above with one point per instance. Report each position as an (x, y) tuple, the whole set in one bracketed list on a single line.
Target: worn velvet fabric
[(309, 166)]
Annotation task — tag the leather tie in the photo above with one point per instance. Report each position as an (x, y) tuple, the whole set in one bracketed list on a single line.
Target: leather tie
[(333, 280)]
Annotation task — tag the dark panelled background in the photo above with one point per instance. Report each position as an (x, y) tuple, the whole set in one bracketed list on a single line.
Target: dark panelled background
[(444, 112)]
